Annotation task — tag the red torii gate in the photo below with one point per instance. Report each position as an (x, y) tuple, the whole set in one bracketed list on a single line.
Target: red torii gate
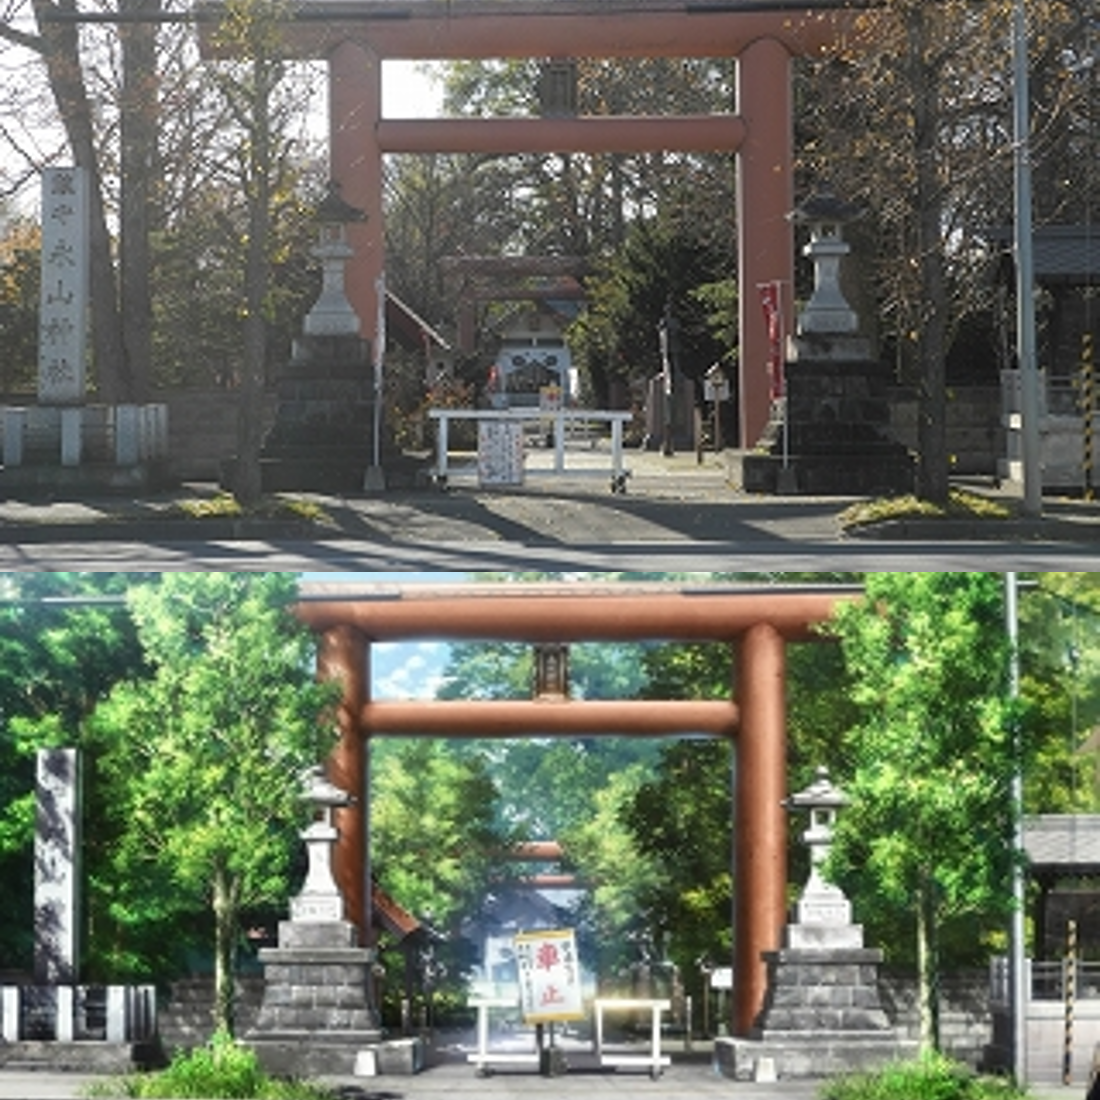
[(758, 624), (356, 36)]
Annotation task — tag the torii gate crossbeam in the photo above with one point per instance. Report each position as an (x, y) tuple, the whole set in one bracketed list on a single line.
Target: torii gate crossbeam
[(758, 625)]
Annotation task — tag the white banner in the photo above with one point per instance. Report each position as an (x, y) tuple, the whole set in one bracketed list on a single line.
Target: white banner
[(549, 977)]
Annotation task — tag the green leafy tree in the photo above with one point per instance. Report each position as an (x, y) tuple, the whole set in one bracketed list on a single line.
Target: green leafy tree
[(1060, 664), (547, 784), (203, 756), (432, 825), (680, 821), (614, 931), (930, 760)]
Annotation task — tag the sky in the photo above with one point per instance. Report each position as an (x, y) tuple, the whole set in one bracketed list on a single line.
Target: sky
[(408, 91), (400, 670)]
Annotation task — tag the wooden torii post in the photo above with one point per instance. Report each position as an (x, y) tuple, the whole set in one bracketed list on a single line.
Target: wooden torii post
[(758, 625), (356, 36)]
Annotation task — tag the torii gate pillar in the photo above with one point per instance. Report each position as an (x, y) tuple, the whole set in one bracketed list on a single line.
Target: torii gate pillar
[(355, 162), (765, 199)]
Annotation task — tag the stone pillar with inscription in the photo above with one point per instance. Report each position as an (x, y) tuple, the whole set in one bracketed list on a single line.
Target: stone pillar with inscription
[(64, 296), (63, 438), (316, 1016), (57, 869)]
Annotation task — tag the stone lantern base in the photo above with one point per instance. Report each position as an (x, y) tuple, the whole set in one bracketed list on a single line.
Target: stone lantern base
[(321, 438), (316, 1019), (838, 440)]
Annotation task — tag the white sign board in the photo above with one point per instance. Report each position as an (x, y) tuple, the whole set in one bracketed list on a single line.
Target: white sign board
[(549, 977), (500, 452), (721, 978), (62, 326)]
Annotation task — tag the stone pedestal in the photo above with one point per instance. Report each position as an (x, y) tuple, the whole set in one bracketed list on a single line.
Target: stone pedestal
[(839, 440), (316, 1016), (321, 438)]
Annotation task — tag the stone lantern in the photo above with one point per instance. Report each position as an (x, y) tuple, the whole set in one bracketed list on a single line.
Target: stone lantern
[(332, 314), (326, 429), (825, 215), (320, 899), (822, 905), (833, 435), (823, 1014), (317, 1015)]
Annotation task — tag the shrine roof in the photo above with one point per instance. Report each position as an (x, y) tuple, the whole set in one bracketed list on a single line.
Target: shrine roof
[(1063, 843)]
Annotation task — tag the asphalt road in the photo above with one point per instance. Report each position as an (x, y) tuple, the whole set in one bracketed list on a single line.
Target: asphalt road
[(360, 555), (461, 1083), (678, 514)]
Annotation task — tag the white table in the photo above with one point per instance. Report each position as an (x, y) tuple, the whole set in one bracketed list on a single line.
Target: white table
[(654, 1061), (483, 1057)]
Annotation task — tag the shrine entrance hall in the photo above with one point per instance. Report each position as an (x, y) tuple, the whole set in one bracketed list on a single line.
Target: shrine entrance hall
[(758, 625)]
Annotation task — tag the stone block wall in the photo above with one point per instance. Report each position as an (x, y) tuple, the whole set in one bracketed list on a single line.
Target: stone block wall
[(975, 436), (966, 1013)]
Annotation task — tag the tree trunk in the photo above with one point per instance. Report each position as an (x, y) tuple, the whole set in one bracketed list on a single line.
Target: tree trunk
[(61, 50), (138, 164), (226, 917), (931, 334), (248, 485), (927, 969)]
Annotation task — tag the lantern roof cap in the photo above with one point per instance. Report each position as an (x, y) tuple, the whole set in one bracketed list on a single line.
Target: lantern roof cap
[(824, 205), (332, 208), (821, 794)]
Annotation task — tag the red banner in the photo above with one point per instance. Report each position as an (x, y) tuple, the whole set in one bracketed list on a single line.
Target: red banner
[(771, 299)]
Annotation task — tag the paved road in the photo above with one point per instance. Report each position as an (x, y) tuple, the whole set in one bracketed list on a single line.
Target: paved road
[(460, 1083), (677, 515), (353, 555)]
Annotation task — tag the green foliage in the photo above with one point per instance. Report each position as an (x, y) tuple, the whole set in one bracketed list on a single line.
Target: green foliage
[(680, 821), (432, 825), (65, 638), (960, 505), (20, 275), (614, 928), (547, 785), (222, 1070), (672, 263), (201, 757), (928, 834), (929, 1078), (1060, 641)]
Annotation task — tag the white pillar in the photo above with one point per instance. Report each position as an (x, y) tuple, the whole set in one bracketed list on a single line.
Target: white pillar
[(72, 436), (116, 1014), (10, 1009), (66, 1003), (127, 435), (15, 430)]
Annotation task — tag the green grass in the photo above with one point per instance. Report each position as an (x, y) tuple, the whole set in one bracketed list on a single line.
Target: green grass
[(960, 505), (220, 1071), (226, 506), (928, 1078)]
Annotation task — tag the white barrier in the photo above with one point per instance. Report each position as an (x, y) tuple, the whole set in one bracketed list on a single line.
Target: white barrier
[(563, 422)]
